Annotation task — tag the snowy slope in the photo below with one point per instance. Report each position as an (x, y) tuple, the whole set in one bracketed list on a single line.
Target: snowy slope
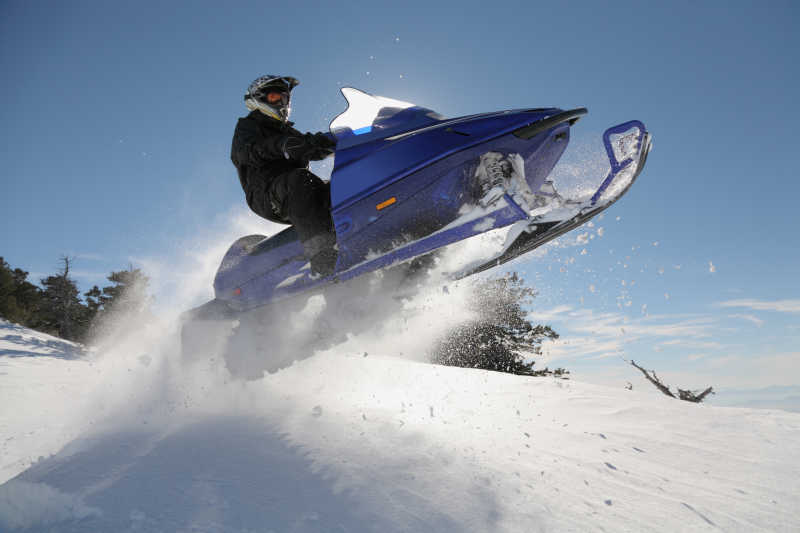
[(134, 440), (17, 341)]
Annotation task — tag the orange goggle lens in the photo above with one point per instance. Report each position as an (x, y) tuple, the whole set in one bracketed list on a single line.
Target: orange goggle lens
[(275, 97)]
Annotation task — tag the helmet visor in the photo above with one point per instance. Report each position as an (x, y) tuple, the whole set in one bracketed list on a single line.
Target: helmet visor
[(275, 96)]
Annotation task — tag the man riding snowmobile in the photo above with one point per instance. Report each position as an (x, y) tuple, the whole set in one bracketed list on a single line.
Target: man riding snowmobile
[(271, 158)]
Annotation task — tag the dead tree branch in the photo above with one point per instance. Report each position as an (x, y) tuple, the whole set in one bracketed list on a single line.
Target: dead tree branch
[(686, 395), (691, 396), (654, 380)]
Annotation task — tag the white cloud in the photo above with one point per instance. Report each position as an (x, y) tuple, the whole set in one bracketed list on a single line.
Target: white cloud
[(548, 315), (750, 318), (590, 335), (781, 306)]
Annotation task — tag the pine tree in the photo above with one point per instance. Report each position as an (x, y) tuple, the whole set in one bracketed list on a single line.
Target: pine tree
[(500, 338), (9, 308), (128, 294), (62, 314), (20, 300), (126, 300)]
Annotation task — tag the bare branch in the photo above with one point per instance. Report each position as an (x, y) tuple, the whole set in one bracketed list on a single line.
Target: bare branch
[(691, 396), (686, 395), (654, 380)]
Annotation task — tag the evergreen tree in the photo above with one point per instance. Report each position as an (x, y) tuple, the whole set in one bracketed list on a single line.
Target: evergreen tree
[(9, 308), (20, 300), (62, 314), (57, 309), (127, 294), (93, 299), (125, 300), (500, 338)]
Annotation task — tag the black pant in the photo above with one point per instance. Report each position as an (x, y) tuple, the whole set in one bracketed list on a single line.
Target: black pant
[(302, 199)]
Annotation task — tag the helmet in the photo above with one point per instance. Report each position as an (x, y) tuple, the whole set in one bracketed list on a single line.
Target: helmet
[(271, 95)]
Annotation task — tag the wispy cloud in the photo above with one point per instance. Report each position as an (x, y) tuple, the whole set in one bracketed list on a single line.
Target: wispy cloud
[(591, 335), (781, 306), (750, 318)]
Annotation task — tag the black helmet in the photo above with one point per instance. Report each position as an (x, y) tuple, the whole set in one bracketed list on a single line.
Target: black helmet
[(271, 95)]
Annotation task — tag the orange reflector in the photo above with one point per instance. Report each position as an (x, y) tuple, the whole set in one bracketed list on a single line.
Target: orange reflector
[(237, 291), (387, 203)]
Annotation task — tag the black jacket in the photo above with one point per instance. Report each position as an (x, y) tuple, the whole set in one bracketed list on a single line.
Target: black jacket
[(258, 152)]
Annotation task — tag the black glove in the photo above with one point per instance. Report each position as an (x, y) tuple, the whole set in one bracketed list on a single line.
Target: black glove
[(312, 146)]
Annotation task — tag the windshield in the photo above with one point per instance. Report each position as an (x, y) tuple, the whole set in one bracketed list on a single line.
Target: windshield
[(368, 117)]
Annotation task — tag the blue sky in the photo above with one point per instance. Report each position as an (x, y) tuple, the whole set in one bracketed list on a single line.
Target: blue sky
[(116, 121)]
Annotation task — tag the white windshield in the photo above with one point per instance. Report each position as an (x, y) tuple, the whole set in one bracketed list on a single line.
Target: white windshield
[(362, 112), (369, 117)]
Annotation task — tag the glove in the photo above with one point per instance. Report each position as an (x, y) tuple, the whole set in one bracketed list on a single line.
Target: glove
[(325, 145), (312, 146)]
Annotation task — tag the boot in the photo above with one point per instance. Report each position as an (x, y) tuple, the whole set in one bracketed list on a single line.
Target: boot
[(324, 262)]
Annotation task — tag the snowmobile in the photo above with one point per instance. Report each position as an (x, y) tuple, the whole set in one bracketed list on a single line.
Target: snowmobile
[(407, 182)]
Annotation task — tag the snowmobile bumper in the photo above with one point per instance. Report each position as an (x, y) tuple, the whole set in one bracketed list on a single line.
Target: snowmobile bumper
[(572, 116), (627, 153)]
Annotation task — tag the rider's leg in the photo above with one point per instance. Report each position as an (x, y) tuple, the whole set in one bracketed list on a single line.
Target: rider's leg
[(306, 202)]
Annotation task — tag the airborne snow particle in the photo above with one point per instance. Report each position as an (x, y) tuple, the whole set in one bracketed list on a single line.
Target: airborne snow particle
[(711, 267), (592, 289), (584, 252), (600, 232)]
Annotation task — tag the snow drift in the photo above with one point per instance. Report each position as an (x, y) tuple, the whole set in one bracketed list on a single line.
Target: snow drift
[(355, 441)]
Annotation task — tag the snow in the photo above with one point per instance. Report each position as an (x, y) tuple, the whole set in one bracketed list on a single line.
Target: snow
[(16, 341), (134, 439)]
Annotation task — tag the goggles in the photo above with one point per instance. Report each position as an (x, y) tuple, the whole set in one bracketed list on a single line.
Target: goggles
[(275, 96)]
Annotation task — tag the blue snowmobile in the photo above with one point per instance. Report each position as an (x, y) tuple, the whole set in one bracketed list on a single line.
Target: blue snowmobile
[(408, 182)]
